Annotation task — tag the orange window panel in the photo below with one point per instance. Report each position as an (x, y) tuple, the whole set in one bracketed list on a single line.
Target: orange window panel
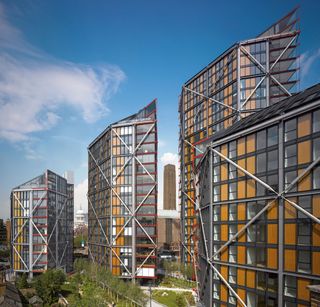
[(241, 277), (316, 235), (316, 205), (242, 236), (290, 260), (224, 212), (304, 125), (272, 233), (272, 258), (251, 188), (224, 271), (272, 212), (304, 152), (242, 189), (224, 232), (224, 255), (251, 164), (251, 278), (251, 143), (224, 150), (241, 163), (290, 212), (305, 183), (224, 171), (290, 234), (224, 293), (241, 254), (316, 263), (303, 291), (241, 148), (224, 192), (241, 211)]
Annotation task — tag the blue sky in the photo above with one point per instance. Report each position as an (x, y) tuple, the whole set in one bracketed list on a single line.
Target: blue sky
[(70, 68)]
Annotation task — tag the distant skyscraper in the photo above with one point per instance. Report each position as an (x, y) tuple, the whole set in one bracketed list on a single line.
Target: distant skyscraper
[(122, 196), (169, 187), (42, 224)]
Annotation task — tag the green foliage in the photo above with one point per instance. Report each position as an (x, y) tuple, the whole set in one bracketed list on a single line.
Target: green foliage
[(77, 240), (5, 253), (22, 281), (171, 282), (88, 274), (48, 285), (169, 298), (180, 301)]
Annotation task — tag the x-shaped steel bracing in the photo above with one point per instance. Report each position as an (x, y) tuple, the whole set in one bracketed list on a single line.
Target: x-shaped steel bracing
[(131, 216)]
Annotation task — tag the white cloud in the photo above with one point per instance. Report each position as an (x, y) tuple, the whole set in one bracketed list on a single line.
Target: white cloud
[(80, 196), (306, 61), (34, 86), (169, 158)]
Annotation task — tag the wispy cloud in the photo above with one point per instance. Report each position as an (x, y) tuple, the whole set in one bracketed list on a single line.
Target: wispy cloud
[(307, 59), (34, 86)]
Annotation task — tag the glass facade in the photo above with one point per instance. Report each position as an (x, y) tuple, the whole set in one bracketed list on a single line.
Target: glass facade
[(246, 78), (122, 196), (42, 224), (266, 248)]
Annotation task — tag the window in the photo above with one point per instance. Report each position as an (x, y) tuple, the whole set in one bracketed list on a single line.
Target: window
[(232, 275), (316, 178), (272, 282), (232, 212), (216, 290), (216, 232), (261, 280), (290, 155), (232, 171), (316, 148), (290, 130), (305, 203), (251, 233), (304, 261), (232, 253), (272, 160), (261, 232), (251, 255), (233, 190), (272, 136), (232, 149), (290, 286), (251, 299), (261, 190), (273, 182), (216, 174), (232, 230), (251, 210), (261, 163), (216, 213), (232, 299), (261, 139), (261, 256), (316, 121), (216, 193), (304, 233), (289, 177)]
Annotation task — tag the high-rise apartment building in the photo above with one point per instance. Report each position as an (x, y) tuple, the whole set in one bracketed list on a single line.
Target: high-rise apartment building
[(169, 187), (247, 77), (258, 188), (122, 196), (42, 224)]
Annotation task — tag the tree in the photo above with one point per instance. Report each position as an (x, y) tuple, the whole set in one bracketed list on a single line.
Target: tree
[(48, 285), (22, 281)]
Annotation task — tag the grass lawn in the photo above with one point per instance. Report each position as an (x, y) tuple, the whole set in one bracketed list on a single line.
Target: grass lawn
[(172, 298), (172, 282)]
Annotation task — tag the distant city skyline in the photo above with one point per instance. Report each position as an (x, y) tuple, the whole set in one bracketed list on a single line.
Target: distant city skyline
[(69, 69)]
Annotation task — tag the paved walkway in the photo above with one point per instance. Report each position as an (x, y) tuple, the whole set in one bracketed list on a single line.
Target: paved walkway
[(167, 289)]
